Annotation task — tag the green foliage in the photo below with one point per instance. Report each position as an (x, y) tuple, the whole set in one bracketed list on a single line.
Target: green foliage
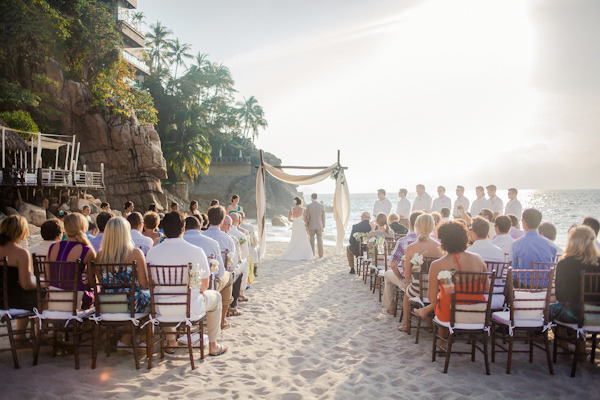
[(20, 120)]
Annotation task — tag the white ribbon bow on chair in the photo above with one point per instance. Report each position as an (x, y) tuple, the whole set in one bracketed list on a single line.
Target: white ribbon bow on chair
[(548, 326), (487, 329), (37, 315), (152, 322), (96, 319), (74, 317), (511, 328), (581, 332), (187, 321)]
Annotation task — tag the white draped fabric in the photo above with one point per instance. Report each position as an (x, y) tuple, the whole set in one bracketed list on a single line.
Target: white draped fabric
[(341, 198)]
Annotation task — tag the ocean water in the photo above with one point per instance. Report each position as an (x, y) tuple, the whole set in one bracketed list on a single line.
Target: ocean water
[(561, 207)]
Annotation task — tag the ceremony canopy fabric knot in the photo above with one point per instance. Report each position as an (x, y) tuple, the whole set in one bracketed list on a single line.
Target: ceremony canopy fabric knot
[(341, 198)]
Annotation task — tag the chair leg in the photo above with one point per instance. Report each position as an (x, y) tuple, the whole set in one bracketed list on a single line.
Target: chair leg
[(134, 343), (11, 339), (54, 345), (434, 349), (37, 343), (473, 344), (576, 354), (530, 338), (202, 339), (510, 350), (594, 344), (95, 335), (150, 344), (485, 353), (418, 330), (548, 356), (493, 342), (190, 346), (76, 343), (448, 351), (555, 345)]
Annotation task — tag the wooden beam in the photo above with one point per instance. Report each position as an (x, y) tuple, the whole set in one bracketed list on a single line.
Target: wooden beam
[(297, 167)]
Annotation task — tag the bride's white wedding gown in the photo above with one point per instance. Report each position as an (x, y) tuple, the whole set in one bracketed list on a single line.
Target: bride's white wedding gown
[(299, 247)]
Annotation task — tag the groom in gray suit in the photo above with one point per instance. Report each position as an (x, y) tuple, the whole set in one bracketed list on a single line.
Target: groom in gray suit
[(315, 215)]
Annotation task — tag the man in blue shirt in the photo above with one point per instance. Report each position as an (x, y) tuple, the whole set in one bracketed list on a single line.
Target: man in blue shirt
[(532, 246)]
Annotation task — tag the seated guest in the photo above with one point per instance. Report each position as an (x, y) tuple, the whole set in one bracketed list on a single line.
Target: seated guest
[(393, 220), (140, 241), (244, 223), (76, 246), (425, 246), (104, 206), (174, 206), (214, 202), (380, 227), (128, 208), (445, 213), (117, 247), (595, 225), (203, 221), (532, 246), (548, 230), (223, 279), (92, 230), (454, 237), (101, 220), (353, 249), (515, 229), (489, 216), (193, 210), (503, 239), (240, 273), (174, 250), (51, 231), (437, 219), (21, 289), (581, 254), (152, 207), (86, 213), (252, 244), (395, 275), (481, 244), (244, 251), (151, 220)]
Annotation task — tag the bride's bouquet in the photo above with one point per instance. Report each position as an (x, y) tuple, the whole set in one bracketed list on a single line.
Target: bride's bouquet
[(445, 279)]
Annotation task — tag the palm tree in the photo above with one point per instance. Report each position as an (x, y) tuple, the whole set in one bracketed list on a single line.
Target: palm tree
[(137, 18), (251, 116), (178, 53), (158, 42)]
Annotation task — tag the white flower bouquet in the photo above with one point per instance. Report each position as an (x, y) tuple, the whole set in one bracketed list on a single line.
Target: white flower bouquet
[(416, 261), (360, 236), (214, 266), (380, 244), (445, 279), (242, 240), (195, 279), (230, 260)]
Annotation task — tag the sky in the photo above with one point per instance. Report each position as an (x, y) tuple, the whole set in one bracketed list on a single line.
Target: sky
[(439, 92)]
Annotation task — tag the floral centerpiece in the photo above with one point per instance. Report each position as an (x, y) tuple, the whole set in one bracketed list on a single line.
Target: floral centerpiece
[(417, 262), (445, 279), (380, 244), (230, 260), (214, 266), (195, 278)]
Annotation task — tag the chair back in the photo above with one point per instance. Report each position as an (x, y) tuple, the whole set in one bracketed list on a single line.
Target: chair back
[(212, 276), (62, 280), (423, 277), (114, 287), (224, 254), (545, 266), (500, 269), (529, 294), (4, 283), (399, 236), (170, 291), (589, 312), (471, 298)]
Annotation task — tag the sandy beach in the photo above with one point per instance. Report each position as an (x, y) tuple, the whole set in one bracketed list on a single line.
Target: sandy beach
[(309, 331)]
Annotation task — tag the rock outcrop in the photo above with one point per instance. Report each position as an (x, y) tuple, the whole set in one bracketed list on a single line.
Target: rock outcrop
[(33, 214)]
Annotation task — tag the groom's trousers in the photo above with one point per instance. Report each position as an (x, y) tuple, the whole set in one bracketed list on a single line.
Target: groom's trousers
[(319, 234)]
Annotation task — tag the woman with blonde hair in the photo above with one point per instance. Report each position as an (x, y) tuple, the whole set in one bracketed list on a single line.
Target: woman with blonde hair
[(424, 246), (76, 246), (581, 254)]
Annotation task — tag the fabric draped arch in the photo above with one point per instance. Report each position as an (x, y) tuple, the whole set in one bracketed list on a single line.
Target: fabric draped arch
[(341, 198)]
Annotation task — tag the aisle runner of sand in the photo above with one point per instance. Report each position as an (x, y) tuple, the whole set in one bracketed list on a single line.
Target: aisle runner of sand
[(309, 331)]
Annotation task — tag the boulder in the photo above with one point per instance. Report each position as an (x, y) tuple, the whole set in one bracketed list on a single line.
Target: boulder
[(10, 211), (63, 207), (33, 214), (279, 220), (53, 209), (49, 215), (78, 204), (2, 216)]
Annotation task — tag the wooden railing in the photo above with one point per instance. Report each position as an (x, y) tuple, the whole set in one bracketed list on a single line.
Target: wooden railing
[(51, 177)]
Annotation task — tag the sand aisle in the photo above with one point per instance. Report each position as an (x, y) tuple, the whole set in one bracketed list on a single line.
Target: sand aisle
[(310, 331)]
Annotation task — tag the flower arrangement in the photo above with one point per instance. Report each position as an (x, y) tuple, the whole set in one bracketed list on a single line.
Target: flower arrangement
[(417, 261), (360, 236), (380, 244), (242, 240), (445, 279), (214, 266), (230, 259), (253, 240), (195, 279)]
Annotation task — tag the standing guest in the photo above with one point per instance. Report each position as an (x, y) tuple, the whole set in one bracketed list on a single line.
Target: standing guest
[(193, 210), (480, 202), (174, 207), (204, 222), (151, 220), (104, 206), (382, 204), (495, 203), (481, 244), (445, 213), (176, 251), (461, 201), (21, 289), (223, 279), (580, 255), (315, 215), (422, 201), (395, 275), (92, 230), (503, 239), (140, 241), (353, 249), (101, 221), (235, 204), (441, 201), (152, 207), (489, 216), (52, 231), (403, 208), (397, 227), (515, 229), (86, 213), (214, 202), (548, 230), (128, 208), (514, 205), (595, 225), (532, 246)]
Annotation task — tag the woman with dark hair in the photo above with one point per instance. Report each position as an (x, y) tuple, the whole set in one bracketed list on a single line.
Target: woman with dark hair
[(127, 208), (299, 247), (204, 225), (193, 210), (235, 205)]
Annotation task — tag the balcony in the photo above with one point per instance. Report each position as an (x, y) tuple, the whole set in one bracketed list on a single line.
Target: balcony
[(230, 160), (136, 62), (130, 29)]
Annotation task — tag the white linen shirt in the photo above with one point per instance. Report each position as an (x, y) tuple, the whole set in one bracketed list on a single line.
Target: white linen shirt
[(382, 206), (441, 202), (514, 207), (478, 205), (210, 246), (140, 241), (496, 205), (460, 201), (422, 203), (225, 243), (403, 208), (504, 241), (235, 232), (487, 250)]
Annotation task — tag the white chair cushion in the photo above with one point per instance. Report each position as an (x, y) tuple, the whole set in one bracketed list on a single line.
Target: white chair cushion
[(107, 307), (465, 326), (14, 312), (120, 316), (503, 317), (64, 315), (587, 328), (524, 299), (591, 319), (497, 301), (55, 293), (470, 318), (178, 318)]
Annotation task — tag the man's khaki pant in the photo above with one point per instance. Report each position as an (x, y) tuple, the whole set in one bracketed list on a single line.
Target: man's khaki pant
[(391, 280)]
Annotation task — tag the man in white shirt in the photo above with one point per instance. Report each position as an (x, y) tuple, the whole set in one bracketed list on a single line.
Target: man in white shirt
[(101, 221), (240, 271), (461, 201), (548, 230), (403, 208), (244, 251), (422, 201), (514, 205), (383, 205), (216, 215), (253, 250), (140, 241), (595, 225), (441, 201), (223, 279), (480, 202), (174, 250), (495, 203), (503, 239), (481, 244)]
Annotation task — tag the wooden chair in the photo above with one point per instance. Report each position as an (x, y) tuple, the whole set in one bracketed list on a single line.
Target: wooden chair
[(527, 318), (501, 269), (60, 305), (379, 264), (422, 300), (8, 315), (114, 299), (389, 245), (469, 319), (544, 266), (171, 311), (360, 259), (588, 325)]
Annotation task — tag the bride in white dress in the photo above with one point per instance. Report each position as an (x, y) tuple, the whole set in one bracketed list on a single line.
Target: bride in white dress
[(299, 247)]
